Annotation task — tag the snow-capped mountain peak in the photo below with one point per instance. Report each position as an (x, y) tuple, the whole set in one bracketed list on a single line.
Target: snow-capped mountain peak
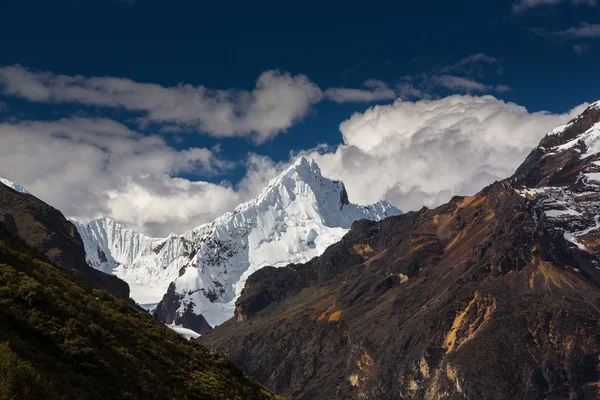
[(14, 186), (198, 275), (300, 179)]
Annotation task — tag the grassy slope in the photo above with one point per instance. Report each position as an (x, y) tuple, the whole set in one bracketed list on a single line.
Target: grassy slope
[(60, 339)]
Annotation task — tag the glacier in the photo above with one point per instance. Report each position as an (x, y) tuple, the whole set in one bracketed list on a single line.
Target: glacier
[(295, 218)]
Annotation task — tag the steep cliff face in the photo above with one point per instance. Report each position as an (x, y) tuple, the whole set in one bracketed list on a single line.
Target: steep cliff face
[(46, 229), (487, 297), (197, 276)]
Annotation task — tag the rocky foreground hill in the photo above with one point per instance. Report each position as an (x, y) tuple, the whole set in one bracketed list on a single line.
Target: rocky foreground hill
[(63, 335), (47, 230)]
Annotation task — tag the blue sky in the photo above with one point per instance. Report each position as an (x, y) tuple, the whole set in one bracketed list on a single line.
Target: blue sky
[(539, 54)]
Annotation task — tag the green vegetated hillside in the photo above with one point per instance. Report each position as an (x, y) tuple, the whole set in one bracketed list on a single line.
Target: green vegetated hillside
[(60, 339)]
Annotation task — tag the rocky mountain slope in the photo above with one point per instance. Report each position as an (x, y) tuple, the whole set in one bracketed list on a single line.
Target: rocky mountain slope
[(46, 229), (197, 276), (60, 339), (494, 296)]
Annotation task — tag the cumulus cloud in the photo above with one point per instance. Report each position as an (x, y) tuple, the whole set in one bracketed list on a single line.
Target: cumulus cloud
[(278, 100), (410, 153), (159, 204), (373, 90), (424, 152), (88, 168), (524, 5)]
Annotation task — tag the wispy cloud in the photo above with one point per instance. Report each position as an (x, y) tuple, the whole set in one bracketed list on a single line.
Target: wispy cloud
[(459, 83), (469, 64), (582, 48), (502, 88), (408, 89), (462, 76), (584, 30), (278, 100), (372, 90), (425, 86), (524, 5)]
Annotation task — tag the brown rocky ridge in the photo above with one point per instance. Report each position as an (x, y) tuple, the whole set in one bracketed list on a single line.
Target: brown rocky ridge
[(493, 296)]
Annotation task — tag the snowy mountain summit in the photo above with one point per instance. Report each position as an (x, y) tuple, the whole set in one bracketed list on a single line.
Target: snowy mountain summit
[(562, 176), (196, 277)]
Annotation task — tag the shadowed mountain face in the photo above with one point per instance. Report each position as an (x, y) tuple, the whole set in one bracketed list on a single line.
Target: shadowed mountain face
[(62, 340), (46, 229), (494, 296)]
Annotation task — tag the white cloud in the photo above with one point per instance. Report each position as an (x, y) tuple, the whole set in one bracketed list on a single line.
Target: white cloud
[(93, 167), (160, 204), (424, 152), (278, 100), (524, 5), (373, 90)]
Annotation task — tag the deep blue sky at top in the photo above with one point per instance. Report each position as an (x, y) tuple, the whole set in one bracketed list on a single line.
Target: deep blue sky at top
[(227, 44)]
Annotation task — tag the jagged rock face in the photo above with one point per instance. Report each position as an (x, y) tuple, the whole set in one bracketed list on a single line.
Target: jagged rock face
[(482, 298), (46, 229), (562, 176), (294, 219)]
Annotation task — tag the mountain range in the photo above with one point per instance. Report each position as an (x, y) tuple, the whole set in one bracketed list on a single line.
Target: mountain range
[(192, 280), (490, 296)]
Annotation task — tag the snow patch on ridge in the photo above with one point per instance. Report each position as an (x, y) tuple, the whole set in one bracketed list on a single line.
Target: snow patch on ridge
[(185, 332), (14, 186)]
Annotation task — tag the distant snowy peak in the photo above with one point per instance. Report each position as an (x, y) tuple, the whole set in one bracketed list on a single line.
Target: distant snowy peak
[(198, 275), (14, 186)]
